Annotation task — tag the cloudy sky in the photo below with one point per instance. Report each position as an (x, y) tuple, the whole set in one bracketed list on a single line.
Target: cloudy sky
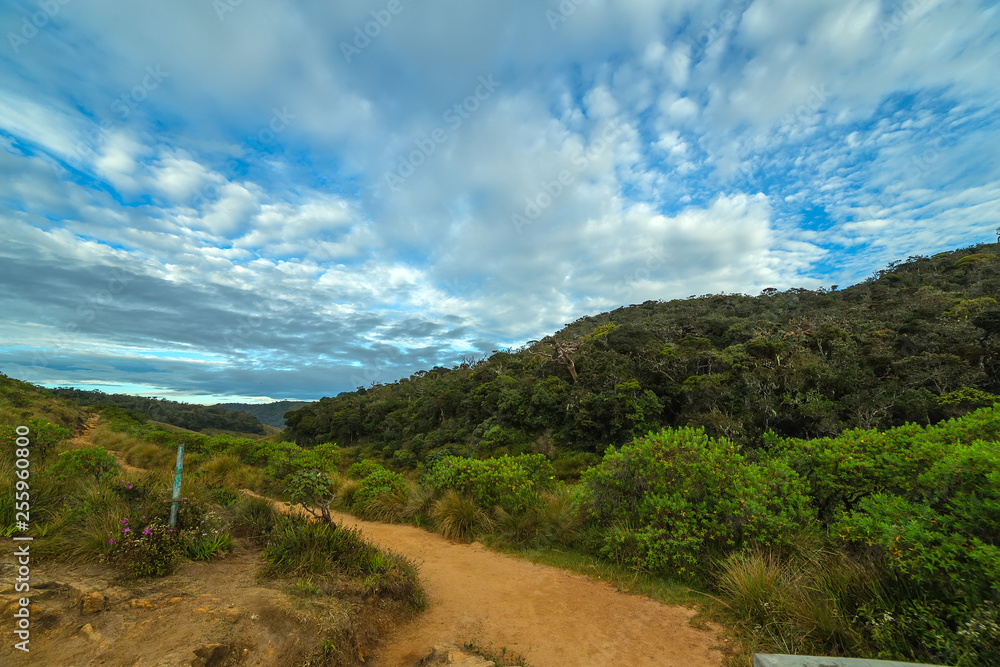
[(213, 199)]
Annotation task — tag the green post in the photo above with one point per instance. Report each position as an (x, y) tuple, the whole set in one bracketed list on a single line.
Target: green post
[(176, 502)]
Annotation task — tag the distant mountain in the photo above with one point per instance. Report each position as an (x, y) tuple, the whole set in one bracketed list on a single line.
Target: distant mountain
[(272, 414), (186, 415)]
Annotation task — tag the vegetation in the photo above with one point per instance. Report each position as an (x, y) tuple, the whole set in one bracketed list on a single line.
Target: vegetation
[(918, 342), (85, 508), (185, 415)]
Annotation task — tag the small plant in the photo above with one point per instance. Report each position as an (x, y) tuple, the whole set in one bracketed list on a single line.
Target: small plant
[(153, 551), (254, 517), (204, 547), (315, 491)]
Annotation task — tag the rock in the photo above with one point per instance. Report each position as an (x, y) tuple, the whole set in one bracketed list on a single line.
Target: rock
[(139, 602), (92, 603), (453, 654), (91, 634)]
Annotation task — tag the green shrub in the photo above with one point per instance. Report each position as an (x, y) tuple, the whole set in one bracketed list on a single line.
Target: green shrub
[(378, 483), (204, 547), (42, 436), (315, 491), (688, 496), (93, 461), (457, 516), (253, 517), (510, 482), (325, 457), (363, 468)]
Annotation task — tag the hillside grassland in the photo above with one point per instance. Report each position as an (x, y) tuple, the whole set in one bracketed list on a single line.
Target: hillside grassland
[(100, 500)]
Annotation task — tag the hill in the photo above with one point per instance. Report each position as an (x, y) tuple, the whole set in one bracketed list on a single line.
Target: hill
[(186, 415), (916, 342), (271, 414)]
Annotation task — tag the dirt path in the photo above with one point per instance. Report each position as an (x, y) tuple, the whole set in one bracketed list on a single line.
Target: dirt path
[(550, 616)]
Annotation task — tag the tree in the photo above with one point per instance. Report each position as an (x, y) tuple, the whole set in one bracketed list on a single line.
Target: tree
[(561, 353), (315, 491)]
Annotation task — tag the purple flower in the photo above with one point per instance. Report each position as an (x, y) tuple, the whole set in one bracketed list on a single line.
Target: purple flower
[(111, 541), (143, 518), (129, 486), (147, 531), (123, 522), (125, 530)]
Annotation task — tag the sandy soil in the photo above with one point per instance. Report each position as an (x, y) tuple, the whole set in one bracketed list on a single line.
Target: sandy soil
[(550, 616)]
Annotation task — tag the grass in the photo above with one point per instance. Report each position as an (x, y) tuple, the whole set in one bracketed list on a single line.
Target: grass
[(457, 516), (298, 546)]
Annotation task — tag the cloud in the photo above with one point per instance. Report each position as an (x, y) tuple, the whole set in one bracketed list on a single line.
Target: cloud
[(294, 222)]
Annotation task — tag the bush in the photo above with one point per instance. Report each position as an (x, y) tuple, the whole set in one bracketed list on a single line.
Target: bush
[(381, 482), (254, 517), (315, 491), (509, 482), (94, 461), (363, 468), (299, 546), (685, 496), (154, 552), (457, 516)]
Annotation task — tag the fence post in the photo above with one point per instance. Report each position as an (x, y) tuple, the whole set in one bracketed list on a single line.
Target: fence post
[(175, 503)]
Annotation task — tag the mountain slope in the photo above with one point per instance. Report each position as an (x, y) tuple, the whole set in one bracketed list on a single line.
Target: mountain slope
[(918, 341)]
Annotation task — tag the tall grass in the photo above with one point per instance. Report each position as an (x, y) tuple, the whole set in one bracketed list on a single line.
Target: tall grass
[(457, 516), (302, 547), (226, 470)]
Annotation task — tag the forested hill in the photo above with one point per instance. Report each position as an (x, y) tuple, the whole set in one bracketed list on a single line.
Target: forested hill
[(272, 414), (185, 415), (917, 342)]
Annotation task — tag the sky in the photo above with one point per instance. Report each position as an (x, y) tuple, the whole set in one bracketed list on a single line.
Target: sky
[(211, 200)]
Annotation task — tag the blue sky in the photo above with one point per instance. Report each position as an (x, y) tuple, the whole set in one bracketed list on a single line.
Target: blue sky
[(214, 200)]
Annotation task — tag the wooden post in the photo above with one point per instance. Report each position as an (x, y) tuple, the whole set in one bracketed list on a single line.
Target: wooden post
[(176, 502)]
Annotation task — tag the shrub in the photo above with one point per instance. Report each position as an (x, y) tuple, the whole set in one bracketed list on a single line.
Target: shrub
[(254, 517), (378, 483), (325, 457), (315, 491), (457, 516), (43, 436), (689, 496), (204, 547), (510, 482), (95, 461), (363, 468), (155, 551)]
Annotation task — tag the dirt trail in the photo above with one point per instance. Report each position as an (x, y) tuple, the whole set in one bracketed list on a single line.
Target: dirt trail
[(550, 616)]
